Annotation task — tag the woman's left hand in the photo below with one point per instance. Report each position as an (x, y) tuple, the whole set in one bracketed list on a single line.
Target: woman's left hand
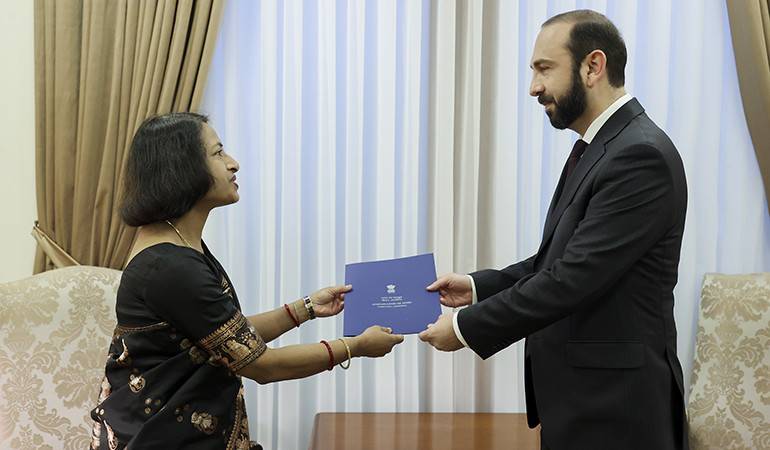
[(329, 301)]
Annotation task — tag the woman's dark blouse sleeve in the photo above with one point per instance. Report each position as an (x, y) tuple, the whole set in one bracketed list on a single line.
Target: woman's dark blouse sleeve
[(184, 290)]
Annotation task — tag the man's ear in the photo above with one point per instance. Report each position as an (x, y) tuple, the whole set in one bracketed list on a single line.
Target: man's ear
[(596, 61)]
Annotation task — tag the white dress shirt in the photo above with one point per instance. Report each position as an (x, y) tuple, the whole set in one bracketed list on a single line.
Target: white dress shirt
[(589, 136)]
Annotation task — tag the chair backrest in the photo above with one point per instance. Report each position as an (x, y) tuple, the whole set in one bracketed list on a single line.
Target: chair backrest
[(55, 329), (729, 405)]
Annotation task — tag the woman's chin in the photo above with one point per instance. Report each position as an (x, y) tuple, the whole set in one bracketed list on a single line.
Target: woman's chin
[(228, 200)]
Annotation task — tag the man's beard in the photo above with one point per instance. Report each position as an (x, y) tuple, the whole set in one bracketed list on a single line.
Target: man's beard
[(570, 106)]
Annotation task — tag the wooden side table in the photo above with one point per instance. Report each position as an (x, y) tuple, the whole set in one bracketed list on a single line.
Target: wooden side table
[(423, 431)]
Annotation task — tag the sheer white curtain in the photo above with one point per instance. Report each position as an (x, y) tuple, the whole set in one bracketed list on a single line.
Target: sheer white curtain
[(377, 129)]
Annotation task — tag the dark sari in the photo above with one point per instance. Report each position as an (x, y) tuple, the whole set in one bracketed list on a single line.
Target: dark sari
[(170, 378)]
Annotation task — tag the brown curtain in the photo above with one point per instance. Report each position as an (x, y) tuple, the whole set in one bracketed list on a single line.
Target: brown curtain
[(750, 29), (101, 68)]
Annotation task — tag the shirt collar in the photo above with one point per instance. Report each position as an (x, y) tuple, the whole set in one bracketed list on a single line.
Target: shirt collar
[(599, 122)]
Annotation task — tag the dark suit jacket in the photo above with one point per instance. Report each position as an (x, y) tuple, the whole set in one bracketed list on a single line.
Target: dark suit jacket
[(596, 302)]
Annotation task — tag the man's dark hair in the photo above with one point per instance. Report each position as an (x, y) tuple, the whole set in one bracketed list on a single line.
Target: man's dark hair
[(166, 172), (594, 31)]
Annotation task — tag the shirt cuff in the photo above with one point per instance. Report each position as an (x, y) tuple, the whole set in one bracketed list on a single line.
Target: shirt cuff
[(473, 288), (457, 329)]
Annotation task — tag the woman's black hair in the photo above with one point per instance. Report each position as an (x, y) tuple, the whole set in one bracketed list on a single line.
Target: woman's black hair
[(166, 172)]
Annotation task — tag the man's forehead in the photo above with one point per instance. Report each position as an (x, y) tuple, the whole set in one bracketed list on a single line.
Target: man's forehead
[(551, 43)]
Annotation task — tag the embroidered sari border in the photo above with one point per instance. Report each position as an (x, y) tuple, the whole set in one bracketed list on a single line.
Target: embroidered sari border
[(121, 330), (225, 332)]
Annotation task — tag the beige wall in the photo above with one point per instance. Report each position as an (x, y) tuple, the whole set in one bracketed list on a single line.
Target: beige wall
[(17, 139)]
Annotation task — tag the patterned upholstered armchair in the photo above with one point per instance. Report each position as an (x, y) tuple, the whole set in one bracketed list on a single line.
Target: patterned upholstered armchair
[(55, 328), (729, 405)]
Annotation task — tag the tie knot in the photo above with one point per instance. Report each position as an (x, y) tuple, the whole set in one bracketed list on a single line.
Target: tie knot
[(574, 156), (578, 149)]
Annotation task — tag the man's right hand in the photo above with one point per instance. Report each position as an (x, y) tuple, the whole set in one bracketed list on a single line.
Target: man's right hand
[(454, 290)]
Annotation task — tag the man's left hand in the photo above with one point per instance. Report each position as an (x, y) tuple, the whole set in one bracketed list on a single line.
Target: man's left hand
[(441, 334)]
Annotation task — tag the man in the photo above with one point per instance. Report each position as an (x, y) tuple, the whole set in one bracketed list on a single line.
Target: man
[(596, 301)]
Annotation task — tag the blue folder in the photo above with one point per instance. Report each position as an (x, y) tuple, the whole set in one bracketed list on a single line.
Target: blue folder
[(391, 293)]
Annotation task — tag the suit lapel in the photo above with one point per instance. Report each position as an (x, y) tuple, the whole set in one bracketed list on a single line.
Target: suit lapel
[(566, 189), (562, 199), (555, 198)]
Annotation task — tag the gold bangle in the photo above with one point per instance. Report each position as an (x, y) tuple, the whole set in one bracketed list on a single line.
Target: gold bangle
[(350, 358), (296, 313)]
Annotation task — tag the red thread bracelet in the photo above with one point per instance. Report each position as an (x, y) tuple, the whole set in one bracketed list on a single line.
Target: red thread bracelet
[(331, 355), (288, 311)]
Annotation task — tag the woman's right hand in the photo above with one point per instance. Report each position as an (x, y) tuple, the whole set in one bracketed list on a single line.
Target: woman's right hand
[(376, 341)]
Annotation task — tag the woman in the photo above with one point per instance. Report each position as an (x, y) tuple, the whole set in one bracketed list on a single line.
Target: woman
[(173, 373)]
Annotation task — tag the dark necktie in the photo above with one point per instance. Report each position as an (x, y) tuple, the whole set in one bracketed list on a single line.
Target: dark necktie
[(574, 156)]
